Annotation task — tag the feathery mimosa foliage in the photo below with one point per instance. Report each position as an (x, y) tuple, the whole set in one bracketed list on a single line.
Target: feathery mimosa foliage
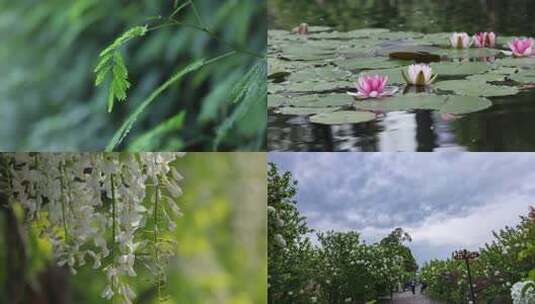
[(48, 100)]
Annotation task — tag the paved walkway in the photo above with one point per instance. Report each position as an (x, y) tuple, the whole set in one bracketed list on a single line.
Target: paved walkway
[(409, 298)]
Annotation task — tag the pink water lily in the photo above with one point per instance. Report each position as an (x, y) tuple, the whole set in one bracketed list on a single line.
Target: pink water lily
[(485, 39), (372, 87), (522, 47)]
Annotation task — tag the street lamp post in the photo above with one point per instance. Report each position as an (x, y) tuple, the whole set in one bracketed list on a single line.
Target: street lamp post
[(467, 256)]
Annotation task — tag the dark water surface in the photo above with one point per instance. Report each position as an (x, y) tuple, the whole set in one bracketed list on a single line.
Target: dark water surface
[(509, 125)]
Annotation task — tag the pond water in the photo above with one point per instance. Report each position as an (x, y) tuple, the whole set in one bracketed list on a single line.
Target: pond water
[(505, 124)]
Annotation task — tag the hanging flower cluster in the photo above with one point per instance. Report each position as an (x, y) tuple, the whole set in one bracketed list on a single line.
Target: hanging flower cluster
[(523, 292), (98, 206)]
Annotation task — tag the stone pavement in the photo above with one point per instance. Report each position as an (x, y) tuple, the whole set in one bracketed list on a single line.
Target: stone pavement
[(409, 298)]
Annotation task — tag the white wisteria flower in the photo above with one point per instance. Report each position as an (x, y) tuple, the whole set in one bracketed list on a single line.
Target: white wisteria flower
[(87, 197)]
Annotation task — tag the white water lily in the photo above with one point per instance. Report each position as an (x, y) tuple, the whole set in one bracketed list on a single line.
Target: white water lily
[(419, 75), (460, 40)]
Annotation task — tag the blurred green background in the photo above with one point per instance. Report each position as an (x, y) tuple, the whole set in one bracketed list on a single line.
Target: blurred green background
[(511, 17), (221, 241), (50, 48)]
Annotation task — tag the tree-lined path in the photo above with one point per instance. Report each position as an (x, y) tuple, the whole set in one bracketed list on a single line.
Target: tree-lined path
[(409, 298)]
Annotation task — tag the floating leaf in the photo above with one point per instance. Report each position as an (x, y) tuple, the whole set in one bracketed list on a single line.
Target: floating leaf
[(367, 32), (302, 111), (441, 39), (524, 77), (457, 104), (342, 117), (469, 53), (274, 88), (275, 101), (460, 68), (328, 100), (487, 77), (402, 103), (526, 62), (394, 74), (318, 86), (368, 63), (321, 73), (453, 104), (472, 88), (304, 53)]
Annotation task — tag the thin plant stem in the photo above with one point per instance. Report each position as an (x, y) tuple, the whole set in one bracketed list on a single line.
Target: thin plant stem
[(127, 125), (63, 215), (196, 12), (178, 9), (113, 212), (172, 22), (156, 253)]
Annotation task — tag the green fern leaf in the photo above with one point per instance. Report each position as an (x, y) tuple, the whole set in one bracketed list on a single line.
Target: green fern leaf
[(250, 89), (111, 62)]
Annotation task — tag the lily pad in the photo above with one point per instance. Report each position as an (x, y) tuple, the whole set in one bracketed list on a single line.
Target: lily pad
[(458, 104), (472, 88), (367, 32), (526, 62), (318, 86), (454, 104), (487, 77), (304, 53), (322, 73), (441, 39), (275, 101), (327, 100), (302, 111), (524, 77), (342, 117), (468, 53), (460, 68), (276, 88), (394, 74), (368, 63), (402, 103)]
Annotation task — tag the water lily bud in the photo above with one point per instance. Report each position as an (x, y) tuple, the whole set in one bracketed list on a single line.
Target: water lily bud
[(419, 75), (302, 29), (460, 40)]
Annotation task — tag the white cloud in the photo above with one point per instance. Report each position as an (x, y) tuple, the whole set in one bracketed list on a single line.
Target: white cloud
[(473, 229)]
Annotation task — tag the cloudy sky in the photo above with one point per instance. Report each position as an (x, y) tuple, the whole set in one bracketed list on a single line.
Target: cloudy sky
[(444, 200)]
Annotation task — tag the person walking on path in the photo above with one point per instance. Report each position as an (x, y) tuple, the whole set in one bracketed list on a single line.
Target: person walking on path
[(413, 287), (423, 287)]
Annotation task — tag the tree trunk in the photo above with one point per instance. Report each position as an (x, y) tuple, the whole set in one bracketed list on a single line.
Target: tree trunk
[(16, 254)]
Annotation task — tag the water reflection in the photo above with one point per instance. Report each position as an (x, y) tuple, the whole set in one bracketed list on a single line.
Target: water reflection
[(507, 126)]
